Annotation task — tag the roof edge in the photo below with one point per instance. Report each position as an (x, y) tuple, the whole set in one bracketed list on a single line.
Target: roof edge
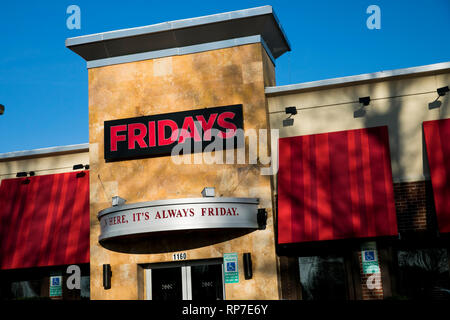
[(272, 91), (171, 25), (44, 151)]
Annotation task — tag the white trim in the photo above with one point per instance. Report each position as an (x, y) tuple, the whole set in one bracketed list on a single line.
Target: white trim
[(223, 280), (357, 78), (44, 151), (186, 282), (148, 284)]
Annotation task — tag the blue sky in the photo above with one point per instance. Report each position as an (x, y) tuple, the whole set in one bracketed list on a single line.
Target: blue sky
[(44, 85)]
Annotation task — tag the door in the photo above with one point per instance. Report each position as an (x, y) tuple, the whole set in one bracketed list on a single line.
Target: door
[(207, 282), (165, 283), (189, 280)]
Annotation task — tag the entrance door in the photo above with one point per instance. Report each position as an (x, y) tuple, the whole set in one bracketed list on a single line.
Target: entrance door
[(165, 284), (207, 282), (190, 280)]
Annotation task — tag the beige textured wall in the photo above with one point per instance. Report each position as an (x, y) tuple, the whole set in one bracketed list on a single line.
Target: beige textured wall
[(41, 165), (215, 78), (401, 104)]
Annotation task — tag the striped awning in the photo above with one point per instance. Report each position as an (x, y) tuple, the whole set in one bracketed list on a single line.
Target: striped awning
[(437, 139), (335, 186), (44, 220)]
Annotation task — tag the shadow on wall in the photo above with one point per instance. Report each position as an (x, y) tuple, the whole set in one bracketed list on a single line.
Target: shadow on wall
[(397, 107), (163, 242)]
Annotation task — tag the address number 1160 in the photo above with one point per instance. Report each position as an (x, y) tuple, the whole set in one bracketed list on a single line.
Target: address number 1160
[(179, 256)]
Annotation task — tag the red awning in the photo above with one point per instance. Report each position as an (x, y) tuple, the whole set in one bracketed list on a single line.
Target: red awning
[(44, 220), (437, 139), (335, 186)]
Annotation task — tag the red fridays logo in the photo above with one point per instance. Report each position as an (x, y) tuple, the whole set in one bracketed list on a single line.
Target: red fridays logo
[(150, 135)]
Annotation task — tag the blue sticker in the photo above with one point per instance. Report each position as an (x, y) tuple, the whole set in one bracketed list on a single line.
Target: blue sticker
[(369, 255), (231, 266), (55, 281)]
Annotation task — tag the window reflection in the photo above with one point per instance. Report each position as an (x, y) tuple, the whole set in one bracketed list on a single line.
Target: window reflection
[(26, 289), (322, 278), (85, 287), (424, 273)]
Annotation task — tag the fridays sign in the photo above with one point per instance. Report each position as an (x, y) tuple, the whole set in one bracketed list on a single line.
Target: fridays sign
[(157, 135)]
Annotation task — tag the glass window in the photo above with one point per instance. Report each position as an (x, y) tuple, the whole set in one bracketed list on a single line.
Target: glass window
[(323, 278), (167, 284), (207, 282), (34, 283), (424, 273), (85, 287), (26, 289)]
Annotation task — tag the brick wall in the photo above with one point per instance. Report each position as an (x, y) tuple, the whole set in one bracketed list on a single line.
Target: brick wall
[(415, 206)]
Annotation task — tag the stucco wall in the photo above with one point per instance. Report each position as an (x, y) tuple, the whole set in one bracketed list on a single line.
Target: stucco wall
[(215, 78), (402, 104)]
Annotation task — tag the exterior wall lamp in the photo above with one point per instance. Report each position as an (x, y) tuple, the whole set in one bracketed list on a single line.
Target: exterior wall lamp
[(365, 100), (442, 91), (436, 103), (25, 174), (107, 274), (248, 270), (118, 201), (208, 192), (80, 166), (291, 111), (262, 218)]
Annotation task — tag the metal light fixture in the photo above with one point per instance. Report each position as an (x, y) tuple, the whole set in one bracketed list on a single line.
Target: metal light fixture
[(107, 274), (436, 103), (248, 270), (118, 201), (2, 109), (261, 217), (21, 174), (80, 166), (291, 111), (208, 192), (442, 91), (364, 100), (361, 112)]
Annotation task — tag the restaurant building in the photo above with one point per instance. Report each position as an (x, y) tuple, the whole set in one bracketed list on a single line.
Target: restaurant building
[(44, 223), (208, 181)]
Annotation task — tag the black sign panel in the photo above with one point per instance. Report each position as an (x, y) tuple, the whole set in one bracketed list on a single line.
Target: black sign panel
[(157, 135)]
